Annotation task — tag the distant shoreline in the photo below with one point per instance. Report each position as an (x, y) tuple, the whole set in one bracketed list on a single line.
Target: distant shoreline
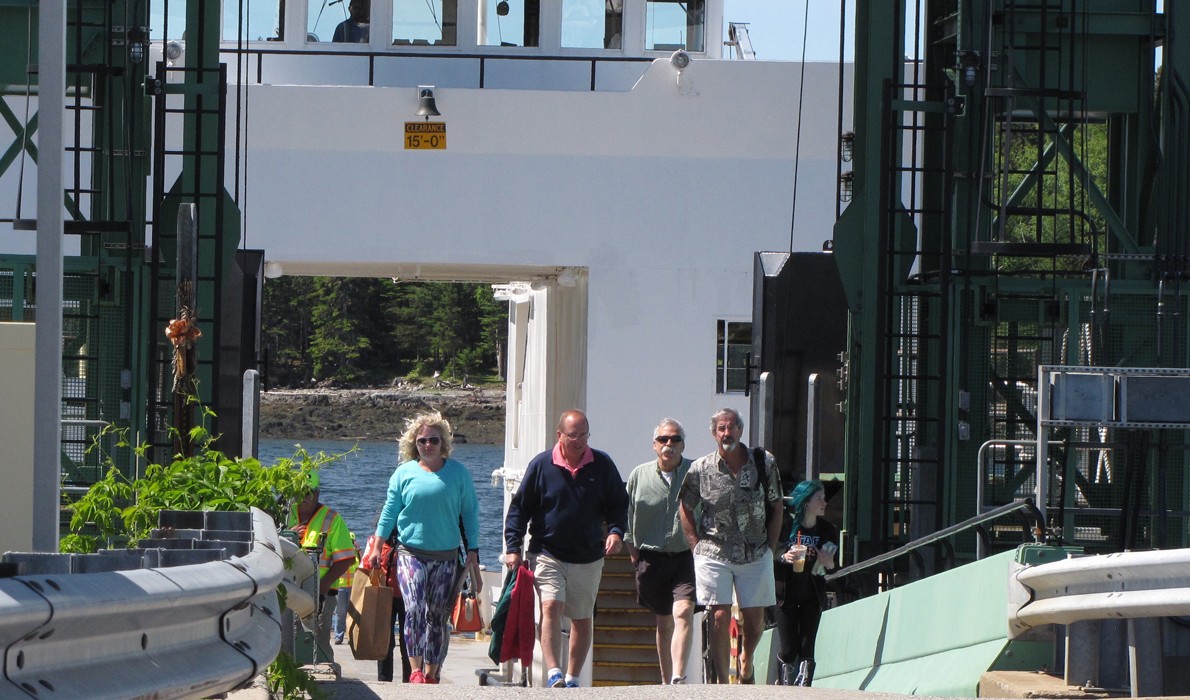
[(379, 413)]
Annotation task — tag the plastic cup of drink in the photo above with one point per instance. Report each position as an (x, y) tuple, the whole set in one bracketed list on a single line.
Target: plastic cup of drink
[(797, 552)]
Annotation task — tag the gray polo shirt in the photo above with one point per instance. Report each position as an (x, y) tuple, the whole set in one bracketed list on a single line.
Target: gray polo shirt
[(653, 522)]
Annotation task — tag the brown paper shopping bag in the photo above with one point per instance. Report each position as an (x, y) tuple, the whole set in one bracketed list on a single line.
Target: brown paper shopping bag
[(369, 616)]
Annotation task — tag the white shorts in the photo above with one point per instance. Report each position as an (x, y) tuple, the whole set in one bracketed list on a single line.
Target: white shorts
[(753, 583)]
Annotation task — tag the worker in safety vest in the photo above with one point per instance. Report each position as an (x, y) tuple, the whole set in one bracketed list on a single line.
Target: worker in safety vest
[(322, 530), (344, 595)]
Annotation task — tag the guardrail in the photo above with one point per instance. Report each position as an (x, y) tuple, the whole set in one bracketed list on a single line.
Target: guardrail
[(186, 631), (1138, 588), (1128, 585)]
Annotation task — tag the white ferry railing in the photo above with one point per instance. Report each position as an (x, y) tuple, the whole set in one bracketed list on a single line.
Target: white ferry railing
[(188, 631)]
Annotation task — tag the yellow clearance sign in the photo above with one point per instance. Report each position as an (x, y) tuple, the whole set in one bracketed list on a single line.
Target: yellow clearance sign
[(425, 135)]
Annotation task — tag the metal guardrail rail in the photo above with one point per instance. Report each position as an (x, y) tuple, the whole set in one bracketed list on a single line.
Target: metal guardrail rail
[(1127, 585), (187, 631)]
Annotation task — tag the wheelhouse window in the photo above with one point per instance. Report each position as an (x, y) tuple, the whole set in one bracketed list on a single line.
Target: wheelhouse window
[(425, 22), (672, 24), (731, 360), (592, 24), (344, 21), (263, 20), (509, 22)]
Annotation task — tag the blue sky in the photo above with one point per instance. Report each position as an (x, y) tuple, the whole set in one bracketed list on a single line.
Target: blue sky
[(775, 27)]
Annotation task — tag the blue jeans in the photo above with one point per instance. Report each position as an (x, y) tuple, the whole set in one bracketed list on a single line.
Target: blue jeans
[(339, 622)]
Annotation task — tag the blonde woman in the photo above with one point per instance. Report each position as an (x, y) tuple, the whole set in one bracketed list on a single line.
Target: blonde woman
[(429, 495)]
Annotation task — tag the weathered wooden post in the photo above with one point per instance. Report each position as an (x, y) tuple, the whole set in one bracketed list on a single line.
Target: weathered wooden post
[(183, 331)]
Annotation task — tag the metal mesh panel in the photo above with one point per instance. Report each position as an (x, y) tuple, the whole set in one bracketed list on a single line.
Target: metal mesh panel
[(1127, 488), (92, 332), (6, 288)]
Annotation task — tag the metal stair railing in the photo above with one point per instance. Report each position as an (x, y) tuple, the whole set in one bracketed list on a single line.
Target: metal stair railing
[(1024, 504)]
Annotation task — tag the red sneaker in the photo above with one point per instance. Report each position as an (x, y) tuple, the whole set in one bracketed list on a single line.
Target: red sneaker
[(417, 676)]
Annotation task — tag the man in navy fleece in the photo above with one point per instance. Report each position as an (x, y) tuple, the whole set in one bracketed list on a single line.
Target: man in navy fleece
[(564, 499)]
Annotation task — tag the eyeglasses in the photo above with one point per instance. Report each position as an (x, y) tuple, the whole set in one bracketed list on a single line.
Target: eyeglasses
[(666, 439), (576, 436), (429, 440)]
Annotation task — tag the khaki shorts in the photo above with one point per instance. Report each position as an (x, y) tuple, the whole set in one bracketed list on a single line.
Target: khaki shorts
[(753, 583), (575, 585)]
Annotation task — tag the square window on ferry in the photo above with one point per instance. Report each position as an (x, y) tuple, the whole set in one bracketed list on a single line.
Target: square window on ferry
[(732, 356), (592, 24), (425, 22), (263, 20), (509, 22), (671, 25)]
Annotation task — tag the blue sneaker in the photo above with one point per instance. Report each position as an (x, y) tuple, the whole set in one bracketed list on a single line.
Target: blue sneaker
[(556, 680), (571, 684)]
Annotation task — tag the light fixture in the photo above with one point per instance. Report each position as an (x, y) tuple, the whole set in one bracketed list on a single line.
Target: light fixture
[(847, 146), (137, 39), (515, 292), (173, 51), (679, 60), (272, 270), (426, 106), (846, 186), (502, 8)]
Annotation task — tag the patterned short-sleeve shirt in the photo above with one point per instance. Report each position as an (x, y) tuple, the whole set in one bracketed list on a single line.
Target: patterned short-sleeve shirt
[(733, 526)]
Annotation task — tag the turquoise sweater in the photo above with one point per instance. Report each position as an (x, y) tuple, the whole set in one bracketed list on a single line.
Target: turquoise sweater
[(425, 507)]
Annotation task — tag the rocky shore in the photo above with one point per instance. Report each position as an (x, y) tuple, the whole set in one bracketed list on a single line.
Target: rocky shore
[(476, 414)]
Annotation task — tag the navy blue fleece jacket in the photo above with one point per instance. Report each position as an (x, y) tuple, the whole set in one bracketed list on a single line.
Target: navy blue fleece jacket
[(564, 515)]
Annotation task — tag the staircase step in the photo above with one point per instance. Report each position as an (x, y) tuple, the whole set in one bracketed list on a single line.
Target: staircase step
[(623, 674), (616, 599), (627, 654), (625, 635), (618, 582), (624, 617)]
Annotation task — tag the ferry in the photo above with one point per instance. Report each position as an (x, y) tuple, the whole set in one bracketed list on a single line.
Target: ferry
[(944, 276)]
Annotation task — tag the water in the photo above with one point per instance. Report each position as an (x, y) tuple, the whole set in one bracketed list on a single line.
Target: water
[(356, 485)]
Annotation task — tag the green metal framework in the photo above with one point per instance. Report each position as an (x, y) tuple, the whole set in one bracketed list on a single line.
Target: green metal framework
[(1017, 201), (125, 178)]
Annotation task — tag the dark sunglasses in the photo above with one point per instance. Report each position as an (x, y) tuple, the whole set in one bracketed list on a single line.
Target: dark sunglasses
[(429, 440), (666, 439)]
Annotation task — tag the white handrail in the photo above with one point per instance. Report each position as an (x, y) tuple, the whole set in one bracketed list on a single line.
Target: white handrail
[(1125, 585), (174, 632)]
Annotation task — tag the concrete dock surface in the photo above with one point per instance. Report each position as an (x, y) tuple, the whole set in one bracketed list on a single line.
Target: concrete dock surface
[(460, 682)]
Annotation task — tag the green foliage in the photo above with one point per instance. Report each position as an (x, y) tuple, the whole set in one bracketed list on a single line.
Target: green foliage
[(349, 331), (339, 338), (118, 510), (1059, 195), (286, 680)]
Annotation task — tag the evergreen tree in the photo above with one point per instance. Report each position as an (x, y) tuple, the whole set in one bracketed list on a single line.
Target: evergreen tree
[(338, 341)]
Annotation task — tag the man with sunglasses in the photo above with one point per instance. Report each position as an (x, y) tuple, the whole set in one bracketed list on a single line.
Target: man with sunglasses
[(658, 549), (565, 497)]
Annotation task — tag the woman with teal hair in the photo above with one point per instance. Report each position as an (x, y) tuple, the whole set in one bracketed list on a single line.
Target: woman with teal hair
[(810, 553)]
